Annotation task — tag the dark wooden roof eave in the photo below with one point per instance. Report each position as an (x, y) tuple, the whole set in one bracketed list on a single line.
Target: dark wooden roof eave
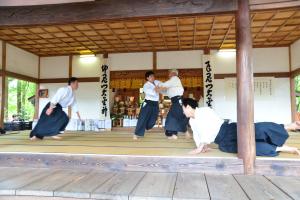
[(104, 10)]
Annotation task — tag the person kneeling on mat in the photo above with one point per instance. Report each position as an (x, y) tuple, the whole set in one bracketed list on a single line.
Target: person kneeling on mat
[(208, 127)]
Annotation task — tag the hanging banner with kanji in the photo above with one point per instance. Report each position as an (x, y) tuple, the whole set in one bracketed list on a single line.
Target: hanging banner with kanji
[(208, 80), (104, 91)]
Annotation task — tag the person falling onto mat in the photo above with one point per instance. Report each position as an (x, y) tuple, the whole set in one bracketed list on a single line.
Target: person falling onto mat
[(149, 109), (53, 119), (208, 127), (176, 121)]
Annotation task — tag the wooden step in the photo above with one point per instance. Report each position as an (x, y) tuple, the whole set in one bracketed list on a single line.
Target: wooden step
[(113, 163)]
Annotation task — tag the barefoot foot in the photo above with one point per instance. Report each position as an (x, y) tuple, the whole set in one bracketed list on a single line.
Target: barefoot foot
[(56, 137)]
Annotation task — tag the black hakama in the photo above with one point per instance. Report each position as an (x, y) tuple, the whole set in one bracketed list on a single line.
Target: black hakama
[(268, 136), (147, 117), (176, 120), (50, 125)]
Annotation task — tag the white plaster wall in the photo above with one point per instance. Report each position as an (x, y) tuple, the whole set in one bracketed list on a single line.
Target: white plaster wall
[(295, 55), (88, 100), (131, 61), (85, 67), (21, 62), (179, 59), (276, 108), (54, 67), (264, 60)]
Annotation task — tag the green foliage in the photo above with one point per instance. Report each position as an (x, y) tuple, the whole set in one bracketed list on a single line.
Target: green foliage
[(17, 103)]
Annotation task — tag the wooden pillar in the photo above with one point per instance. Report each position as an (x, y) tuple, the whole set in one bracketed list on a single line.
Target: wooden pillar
[(245, 104), (70, 75), (37, 99), (4, 91), (154, 61), (292, 90)]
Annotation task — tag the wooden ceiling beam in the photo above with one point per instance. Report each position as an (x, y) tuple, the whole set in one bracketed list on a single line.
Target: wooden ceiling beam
[(272, 4), (103, 39), (211, 32), (178, 34), (283, 24), (129, 32), (194, 33), (116, 36), (266, 23), (228, 31), (90, 40), (288, 35), (108, 10), (146, 33), (80, 42), (162, 33)]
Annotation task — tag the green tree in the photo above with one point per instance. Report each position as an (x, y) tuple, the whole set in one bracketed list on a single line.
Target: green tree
[(19, 92)]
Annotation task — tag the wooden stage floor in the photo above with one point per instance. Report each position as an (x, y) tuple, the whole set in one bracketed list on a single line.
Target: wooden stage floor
[(117, 143), (41, 184)]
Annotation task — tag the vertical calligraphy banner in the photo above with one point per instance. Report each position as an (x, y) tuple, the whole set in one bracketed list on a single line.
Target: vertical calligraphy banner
[(208, 80), (104, 90)]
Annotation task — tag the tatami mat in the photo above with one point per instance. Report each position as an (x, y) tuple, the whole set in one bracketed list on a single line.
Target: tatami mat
[(114, 143)]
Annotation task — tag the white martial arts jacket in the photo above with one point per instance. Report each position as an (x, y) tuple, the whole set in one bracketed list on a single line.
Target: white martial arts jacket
[(174, 87), (65, 97), (206, 125), (149, 90)]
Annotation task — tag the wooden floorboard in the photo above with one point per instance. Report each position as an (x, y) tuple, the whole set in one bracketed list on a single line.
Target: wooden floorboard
[(62, 184), (259, 188), (47, 186), (191, 186), (155, 186), (119, 186), (289, 185), (9, 186), (10, 172), (224, 187), (84, 186)]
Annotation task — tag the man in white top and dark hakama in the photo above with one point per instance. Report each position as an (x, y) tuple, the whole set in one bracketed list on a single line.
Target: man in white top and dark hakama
[(149, 109), (176, 121), (53, 119), (208, 127)]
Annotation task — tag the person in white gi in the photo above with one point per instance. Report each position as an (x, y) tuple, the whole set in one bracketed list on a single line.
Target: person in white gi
[(53, 119), (208, 127), (149, 109), (176, 121)]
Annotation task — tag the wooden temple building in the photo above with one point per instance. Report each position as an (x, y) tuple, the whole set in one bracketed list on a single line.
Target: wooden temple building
[(254, 50)]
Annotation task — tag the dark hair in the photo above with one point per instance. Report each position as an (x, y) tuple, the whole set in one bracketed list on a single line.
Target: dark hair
[(191, 102), (72, 80), (148, 73)]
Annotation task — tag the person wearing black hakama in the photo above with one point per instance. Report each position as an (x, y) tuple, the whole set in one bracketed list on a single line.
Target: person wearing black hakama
[(176, 121), (53, 119), (149, 109), (208, 127)]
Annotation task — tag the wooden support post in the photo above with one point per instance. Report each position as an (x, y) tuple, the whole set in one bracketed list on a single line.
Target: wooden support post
[(292, 90), (4, 93), (245, 104), (37, 99), (154, 61), (70, 75)]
